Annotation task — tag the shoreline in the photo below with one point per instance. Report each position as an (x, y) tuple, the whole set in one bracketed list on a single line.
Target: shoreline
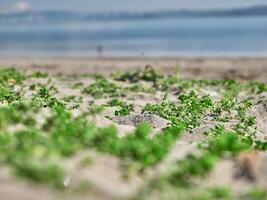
[(139, 57), (243, 68)]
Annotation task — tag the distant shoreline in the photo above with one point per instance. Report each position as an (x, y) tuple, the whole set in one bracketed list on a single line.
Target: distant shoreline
[(257, 10), (138, 57), (133, 55)]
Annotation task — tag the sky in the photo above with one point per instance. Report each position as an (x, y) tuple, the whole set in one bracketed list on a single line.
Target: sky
[(124, 5)]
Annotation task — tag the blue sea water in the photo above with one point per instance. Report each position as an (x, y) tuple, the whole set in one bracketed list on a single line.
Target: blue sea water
[(204, 36)]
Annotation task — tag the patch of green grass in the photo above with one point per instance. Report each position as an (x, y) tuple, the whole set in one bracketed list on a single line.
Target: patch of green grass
[(94, 110), (45, 98), (147, 74), (189, 112), (50, 174), (227, 141), (24, 152), (8, 79), (78, 85), (7, 94), (124, 108), (72, 101), (199, 165), (14, 114), (261, 145), (139, 146), (256, 194), (166, 191), (11, 76), (258, 87), (103, 88), (39, 74)]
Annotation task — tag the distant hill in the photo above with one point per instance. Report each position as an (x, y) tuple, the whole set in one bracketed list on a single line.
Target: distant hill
[(76, 16), (251, 11), (239, 12)]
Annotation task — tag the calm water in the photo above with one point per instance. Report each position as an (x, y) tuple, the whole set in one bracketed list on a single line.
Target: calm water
[(178, 36)]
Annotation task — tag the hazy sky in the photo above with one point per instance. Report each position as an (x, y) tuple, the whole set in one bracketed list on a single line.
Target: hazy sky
[(100, 5)]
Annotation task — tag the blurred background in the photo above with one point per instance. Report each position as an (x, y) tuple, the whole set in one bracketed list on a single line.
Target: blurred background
[(133, 28)]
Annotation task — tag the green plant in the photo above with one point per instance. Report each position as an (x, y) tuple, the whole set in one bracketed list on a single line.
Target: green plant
[(124, 108), (147, 74), (39, 74), (256, 194), (45, 98), (11, 76), (189, 112), (103, 88)]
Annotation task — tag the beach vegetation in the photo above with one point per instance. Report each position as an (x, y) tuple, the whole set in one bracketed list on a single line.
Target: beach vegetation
[(42, 130), (124, 108)]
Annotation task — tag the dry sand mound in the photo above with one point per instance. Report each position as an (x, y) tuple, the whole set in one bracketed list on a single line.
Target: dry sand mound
[(155, 121)]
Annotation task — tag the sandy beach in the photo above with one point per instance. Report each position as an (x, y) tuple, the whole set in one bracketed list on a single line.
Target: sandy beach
[(107, 174)]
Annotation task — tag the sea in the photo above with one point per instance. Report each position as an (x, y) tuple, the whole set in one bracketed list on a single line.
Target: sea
[(60, 35)]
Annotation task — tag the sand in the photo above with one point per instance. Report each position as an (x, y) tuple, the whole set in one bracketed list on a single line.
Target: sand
[(239, 68), (105, 173)]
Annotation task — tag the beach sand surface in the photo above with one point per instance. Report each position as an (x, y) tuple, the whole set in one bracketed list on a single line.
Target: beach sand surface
[(105, 173)]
